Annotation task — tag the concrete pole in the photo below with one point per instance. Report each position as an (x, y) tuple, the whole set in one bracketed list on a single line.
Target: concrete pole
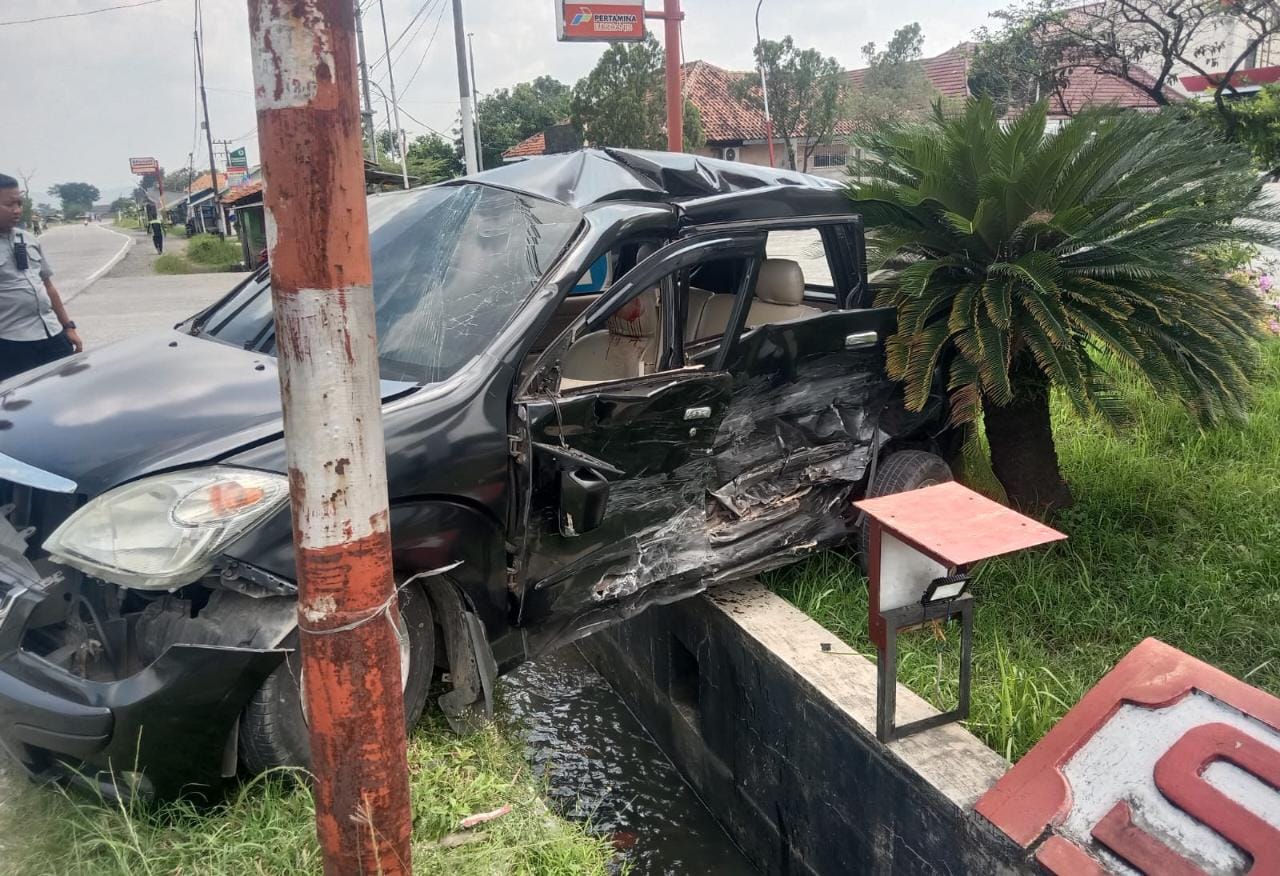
[(764, 89), (471, 51), (395, 104), (672, 17), (362, 57), (322, 288), (208, 131), (464, 90)]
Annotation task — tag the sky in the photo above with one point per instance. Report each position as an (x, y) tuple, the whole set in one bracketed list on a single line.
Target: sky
[(84, 94)]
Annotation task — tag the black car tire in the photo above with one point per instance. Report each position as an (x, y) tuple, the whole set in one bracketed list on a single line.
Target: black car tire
[(900, 472), (273, 728)]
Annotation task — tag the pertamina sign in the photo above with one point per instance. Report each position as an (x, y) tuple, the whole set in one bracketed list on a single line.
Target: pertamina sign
[(620, 21)]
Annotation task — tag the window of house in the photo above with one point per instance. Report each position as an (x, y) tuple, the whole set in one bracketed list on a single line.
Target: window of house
[(831, 155)]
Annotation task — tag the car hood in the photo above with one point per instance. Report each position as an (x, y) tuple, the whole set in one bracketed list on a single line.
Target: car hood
[(147, 404)]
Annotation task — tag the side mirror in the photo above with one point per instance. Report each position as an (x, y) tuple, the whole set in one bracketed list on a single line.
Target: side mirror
[(584, 497)]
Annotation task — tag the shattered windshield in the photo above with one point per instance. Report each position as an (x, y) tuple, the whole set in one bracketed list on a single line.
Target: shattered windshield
[(451, 265)]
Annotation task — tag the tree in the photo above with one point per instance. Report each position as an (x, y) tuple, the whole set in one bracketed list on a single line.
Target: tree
[(1144, 43), (509, 116), (1255, 124), (433, 159), (1021, 263), (621, 102), (127, 206), (76, 197), (895, 84), (806, 95), (174, 181)]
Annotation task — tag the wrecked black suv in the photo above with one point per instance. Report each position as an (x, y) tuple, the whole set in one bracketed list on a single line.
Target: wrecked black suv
[(610, 379)]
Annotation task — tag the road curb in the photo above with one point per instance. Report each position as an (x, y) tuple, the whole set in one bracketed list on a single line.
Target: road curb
[(111, 263)]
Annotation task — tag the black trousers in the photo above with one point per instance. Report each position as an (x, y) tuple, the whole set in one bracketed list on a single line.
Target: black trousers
[(19, 356)]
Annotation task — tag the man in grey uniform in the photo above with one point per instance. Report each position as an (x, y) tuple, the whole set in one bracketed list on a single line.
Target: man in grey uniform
[(34, 325)]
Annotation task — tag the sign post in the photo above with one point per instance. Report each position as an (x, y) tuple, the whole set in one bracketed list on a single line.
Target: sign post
[(304, 63), (622, 21)]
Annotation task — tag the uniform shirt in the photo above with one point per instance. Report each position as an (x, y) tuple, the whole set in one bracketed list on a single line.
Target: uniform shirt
[(26, 314)]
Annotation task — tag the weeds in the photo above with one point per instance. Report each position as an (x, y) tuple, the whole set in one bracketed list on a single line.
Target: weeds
[(1175, 534), (268, 825)]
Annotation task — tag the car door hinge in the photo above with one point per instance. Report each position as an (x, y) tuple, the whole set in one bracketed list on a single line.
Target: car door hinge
[(515, 446), (513, 580)]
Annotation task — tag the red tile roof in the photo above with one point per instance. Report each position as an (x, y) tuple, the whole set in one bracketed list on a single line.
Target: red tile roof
[(239, 193), (1088, 86), (535, 145), (949, 72)]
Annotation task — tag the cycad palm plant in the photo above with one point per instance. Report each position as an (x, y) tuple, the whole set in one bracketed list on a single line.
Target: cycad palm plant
[(1021, 261)]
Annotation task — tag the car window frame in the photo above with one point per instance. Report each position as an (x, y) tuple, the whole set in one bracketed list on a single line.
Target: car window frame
[(659, 269)]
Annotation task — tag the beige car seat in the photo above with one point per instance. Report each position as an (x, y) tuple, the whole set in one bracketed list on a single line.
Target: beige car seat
[(627, 348), (779, 298), (698, 300)]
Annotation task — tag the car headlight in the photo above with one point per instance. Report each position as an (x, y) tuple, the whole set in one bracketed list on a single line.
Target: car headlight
[(164, 532)]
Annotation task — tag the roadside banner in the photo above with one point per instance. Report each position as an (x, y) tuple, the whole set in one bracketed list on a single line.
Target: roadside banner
[(140, 166), (614, 22)]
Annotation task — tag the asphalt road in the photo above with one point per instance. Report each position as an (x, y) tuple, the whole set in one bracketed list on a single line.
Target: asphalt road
[(80, 254)]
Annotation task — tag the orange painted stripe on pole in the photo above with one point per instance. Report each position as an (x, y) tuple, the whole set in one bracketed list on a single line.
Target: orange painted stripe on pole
[(309, 129)]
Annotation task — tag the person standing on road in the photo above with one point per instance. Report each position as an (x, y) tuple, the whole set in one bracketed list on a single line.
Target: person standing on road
[(34, 325), (157, 234)]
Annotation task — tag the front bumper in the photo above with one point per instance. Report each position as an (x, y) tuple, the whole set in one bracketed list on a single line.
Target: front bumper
[(162, 731)]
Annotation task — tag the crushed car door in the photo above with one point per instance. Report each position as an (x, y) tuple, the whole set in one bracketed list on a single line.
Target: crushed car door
[(616, 474)]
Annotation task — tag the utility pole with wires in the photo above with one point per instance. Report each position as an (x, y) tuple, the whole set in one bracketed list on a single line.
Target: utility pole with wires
[(471, 50), (764, 88), (395, 106), (464, 90), (208, 132), (363, 57), (304, 63)]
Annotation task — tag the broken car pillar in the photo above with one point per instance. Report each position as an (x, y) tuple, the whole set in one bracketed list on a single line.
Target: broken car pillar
[(322, 287)]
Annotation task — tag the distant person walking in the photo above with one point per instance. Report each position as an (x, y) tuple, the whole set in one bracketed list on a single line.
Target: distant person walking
[(34, 325), (157, 234)]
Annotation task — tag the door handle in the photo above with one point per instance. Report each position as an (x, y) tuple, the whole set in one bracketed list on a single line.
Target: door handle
[(701, 413), (861, 340)]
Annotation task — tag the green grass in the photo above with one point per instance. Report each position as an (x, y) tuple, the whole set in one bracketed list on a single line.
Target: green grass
[(1175, 534), (172, 263), (268, 826), (214, 251)]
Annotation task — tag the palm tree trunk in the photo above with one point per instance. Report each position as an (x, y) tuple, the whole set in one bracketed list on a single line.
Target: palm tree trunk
[(1023, 455)]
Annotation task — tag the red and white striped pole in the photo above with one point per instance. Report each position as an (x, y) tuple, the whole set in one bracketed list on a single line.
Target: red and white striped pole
[(309, 130)]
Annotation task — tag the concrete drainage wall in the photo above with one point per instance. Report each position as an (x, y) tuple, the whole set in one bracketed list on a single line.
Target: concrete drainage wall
[(778, 738)]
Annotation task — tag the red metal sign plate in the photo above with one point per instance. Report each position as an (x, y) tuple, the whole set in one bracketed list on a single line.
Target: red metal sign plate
[(1167, 766), (602, 22), (955, 525)]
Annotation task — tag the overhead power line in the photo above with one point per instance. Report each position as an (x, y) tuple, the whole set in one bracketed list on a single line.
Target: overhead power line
[(79, 14), (426, 51)]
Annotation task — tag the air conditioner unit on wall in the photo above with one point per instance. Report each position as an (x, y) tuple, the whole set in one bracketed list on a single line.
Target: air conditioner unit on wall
[(729, 153)]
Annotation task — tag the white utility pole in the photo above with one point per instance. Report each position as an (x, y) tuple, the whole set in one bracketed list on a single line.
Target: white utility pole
[(471, 50), (464, 90), (366, 113), (395, 105)]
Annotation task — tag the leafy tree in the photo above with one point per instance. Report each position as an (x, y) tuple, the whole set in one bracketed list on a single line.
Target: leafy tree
[(508, 116), (174, 180), (433, 159), (76, 197), (895, 84), (388, 145), (1021, 263), (1255, 123), (623, 102), (124, 205), (806, 96), (1145, 43)]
